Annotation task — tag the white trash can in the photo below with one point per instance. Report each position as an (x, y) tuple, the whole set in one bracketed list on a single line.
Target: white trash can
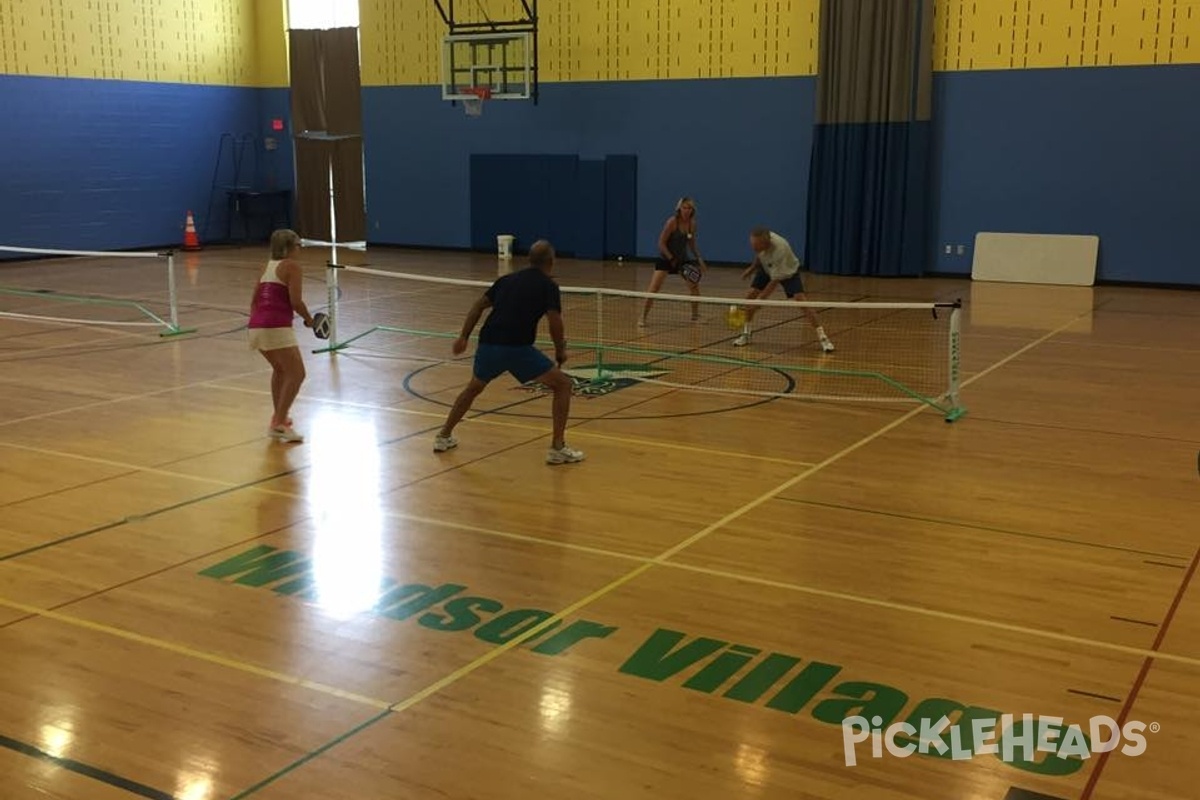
[(504, 244)]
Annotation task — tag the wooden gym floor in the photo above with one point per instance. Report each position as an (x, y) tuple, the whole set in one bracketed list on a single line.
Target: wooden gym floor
[(188, 610)]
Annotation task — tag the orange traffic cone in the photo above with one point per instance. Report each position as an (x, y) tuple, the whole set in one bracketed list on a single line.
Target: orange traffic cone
[(190, 240)]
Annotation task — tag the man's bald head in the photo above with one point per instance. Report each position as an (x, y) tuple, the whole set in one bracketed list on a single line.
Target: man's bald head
[(541, 255)]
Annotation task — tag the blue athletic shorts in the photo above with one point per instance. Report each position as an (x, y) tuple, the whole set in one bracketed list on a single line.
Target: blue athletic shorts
[(792, 285), (524, 362)]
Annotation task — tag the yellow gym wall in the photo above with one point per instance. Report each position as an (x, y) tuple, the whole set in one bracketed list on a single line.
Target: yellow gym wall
[(270, 37), (242, 42), (168, 41), (612, 40), (607, 40), (1020, 34)]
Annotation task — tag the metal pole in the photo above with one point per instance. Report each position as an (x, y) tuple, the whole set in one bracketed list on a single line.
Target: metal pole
[(171, 291), (956, 409), (599, 334), (331, 282)]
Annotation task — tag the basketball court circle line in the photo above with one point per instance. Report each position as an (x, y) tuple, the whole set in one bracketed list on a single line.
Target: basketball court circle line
[(750, 400)]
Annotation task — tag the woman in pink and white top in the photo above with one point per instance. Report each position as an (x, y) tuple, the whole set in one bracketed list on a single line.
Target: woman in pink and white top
[(277, 298)]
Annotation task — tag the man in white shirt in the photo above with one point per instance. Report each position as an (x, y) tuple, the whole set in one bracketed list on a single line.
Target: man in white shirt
[(775, 264)]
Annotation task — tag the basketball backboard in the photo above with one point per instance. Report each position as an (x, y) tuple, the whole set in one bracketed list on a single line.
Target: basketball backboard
[(489, 45), (501, 62)]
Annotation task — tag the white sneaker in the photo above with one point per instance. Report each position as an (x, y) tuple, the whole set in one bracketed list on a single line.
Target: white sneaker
[(563, 455), (443, 443), (285, 433), (826, 345), (742, 340)]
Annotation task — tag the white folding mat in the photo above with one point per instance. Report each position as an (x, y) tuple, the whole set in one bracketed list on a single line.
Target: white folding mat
[(1061, 260)]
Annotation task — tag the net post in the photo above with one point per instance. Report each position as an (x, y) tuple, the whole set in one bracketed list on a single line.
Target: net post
[(599, 334), (331, 298), (173, 328), (332, 292), (955, 410), (171, 291)]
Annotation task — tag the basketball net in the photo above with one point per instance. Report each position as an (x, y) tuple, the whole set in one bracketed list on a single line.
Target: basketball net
[(474, 105)]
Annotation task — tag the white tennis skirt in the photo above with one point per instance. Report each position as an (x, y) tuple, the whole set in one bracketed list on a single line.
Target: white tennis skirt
[(272, 338)]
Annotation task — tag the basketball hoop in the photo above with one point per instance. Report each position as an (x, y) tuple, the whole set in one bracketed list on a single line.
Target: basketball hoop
[(474, 105)]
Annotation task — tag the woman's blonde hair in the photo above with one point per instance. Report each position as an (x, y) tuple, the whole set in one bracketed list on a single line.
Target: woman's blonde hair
[(282, 242)]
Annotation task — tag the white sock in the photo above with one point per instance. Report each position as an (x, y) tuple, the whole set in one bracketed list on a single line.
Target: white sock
[(821, 333)]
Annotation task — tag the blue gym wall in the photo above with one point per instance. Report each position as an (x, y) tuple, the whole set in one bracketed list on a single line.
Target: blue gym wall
[(1110, 151), (1106, 151), (111, 164), (690, 137), (274, 169)]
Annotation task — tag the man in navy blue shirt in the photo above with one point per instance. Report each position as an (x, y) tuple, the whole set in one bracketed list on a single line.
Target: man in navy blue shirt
[(518, 302)]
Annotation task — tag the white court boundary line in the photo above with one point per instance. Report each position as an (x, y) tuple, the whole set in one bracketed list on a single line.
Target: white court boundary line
[(102, 323), (87, 253), (123, 398)]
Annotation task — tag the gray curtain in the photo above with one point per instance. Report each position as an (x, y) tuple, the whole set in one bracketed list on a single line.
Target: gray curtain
[(876, 61), (869, 210)]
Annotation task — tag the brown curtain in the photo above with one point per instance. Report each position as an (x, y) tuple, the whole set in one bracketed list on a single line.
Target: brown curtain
[(327, 120), (308, 93), (349, 208), (343, 84), (312, 188)]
